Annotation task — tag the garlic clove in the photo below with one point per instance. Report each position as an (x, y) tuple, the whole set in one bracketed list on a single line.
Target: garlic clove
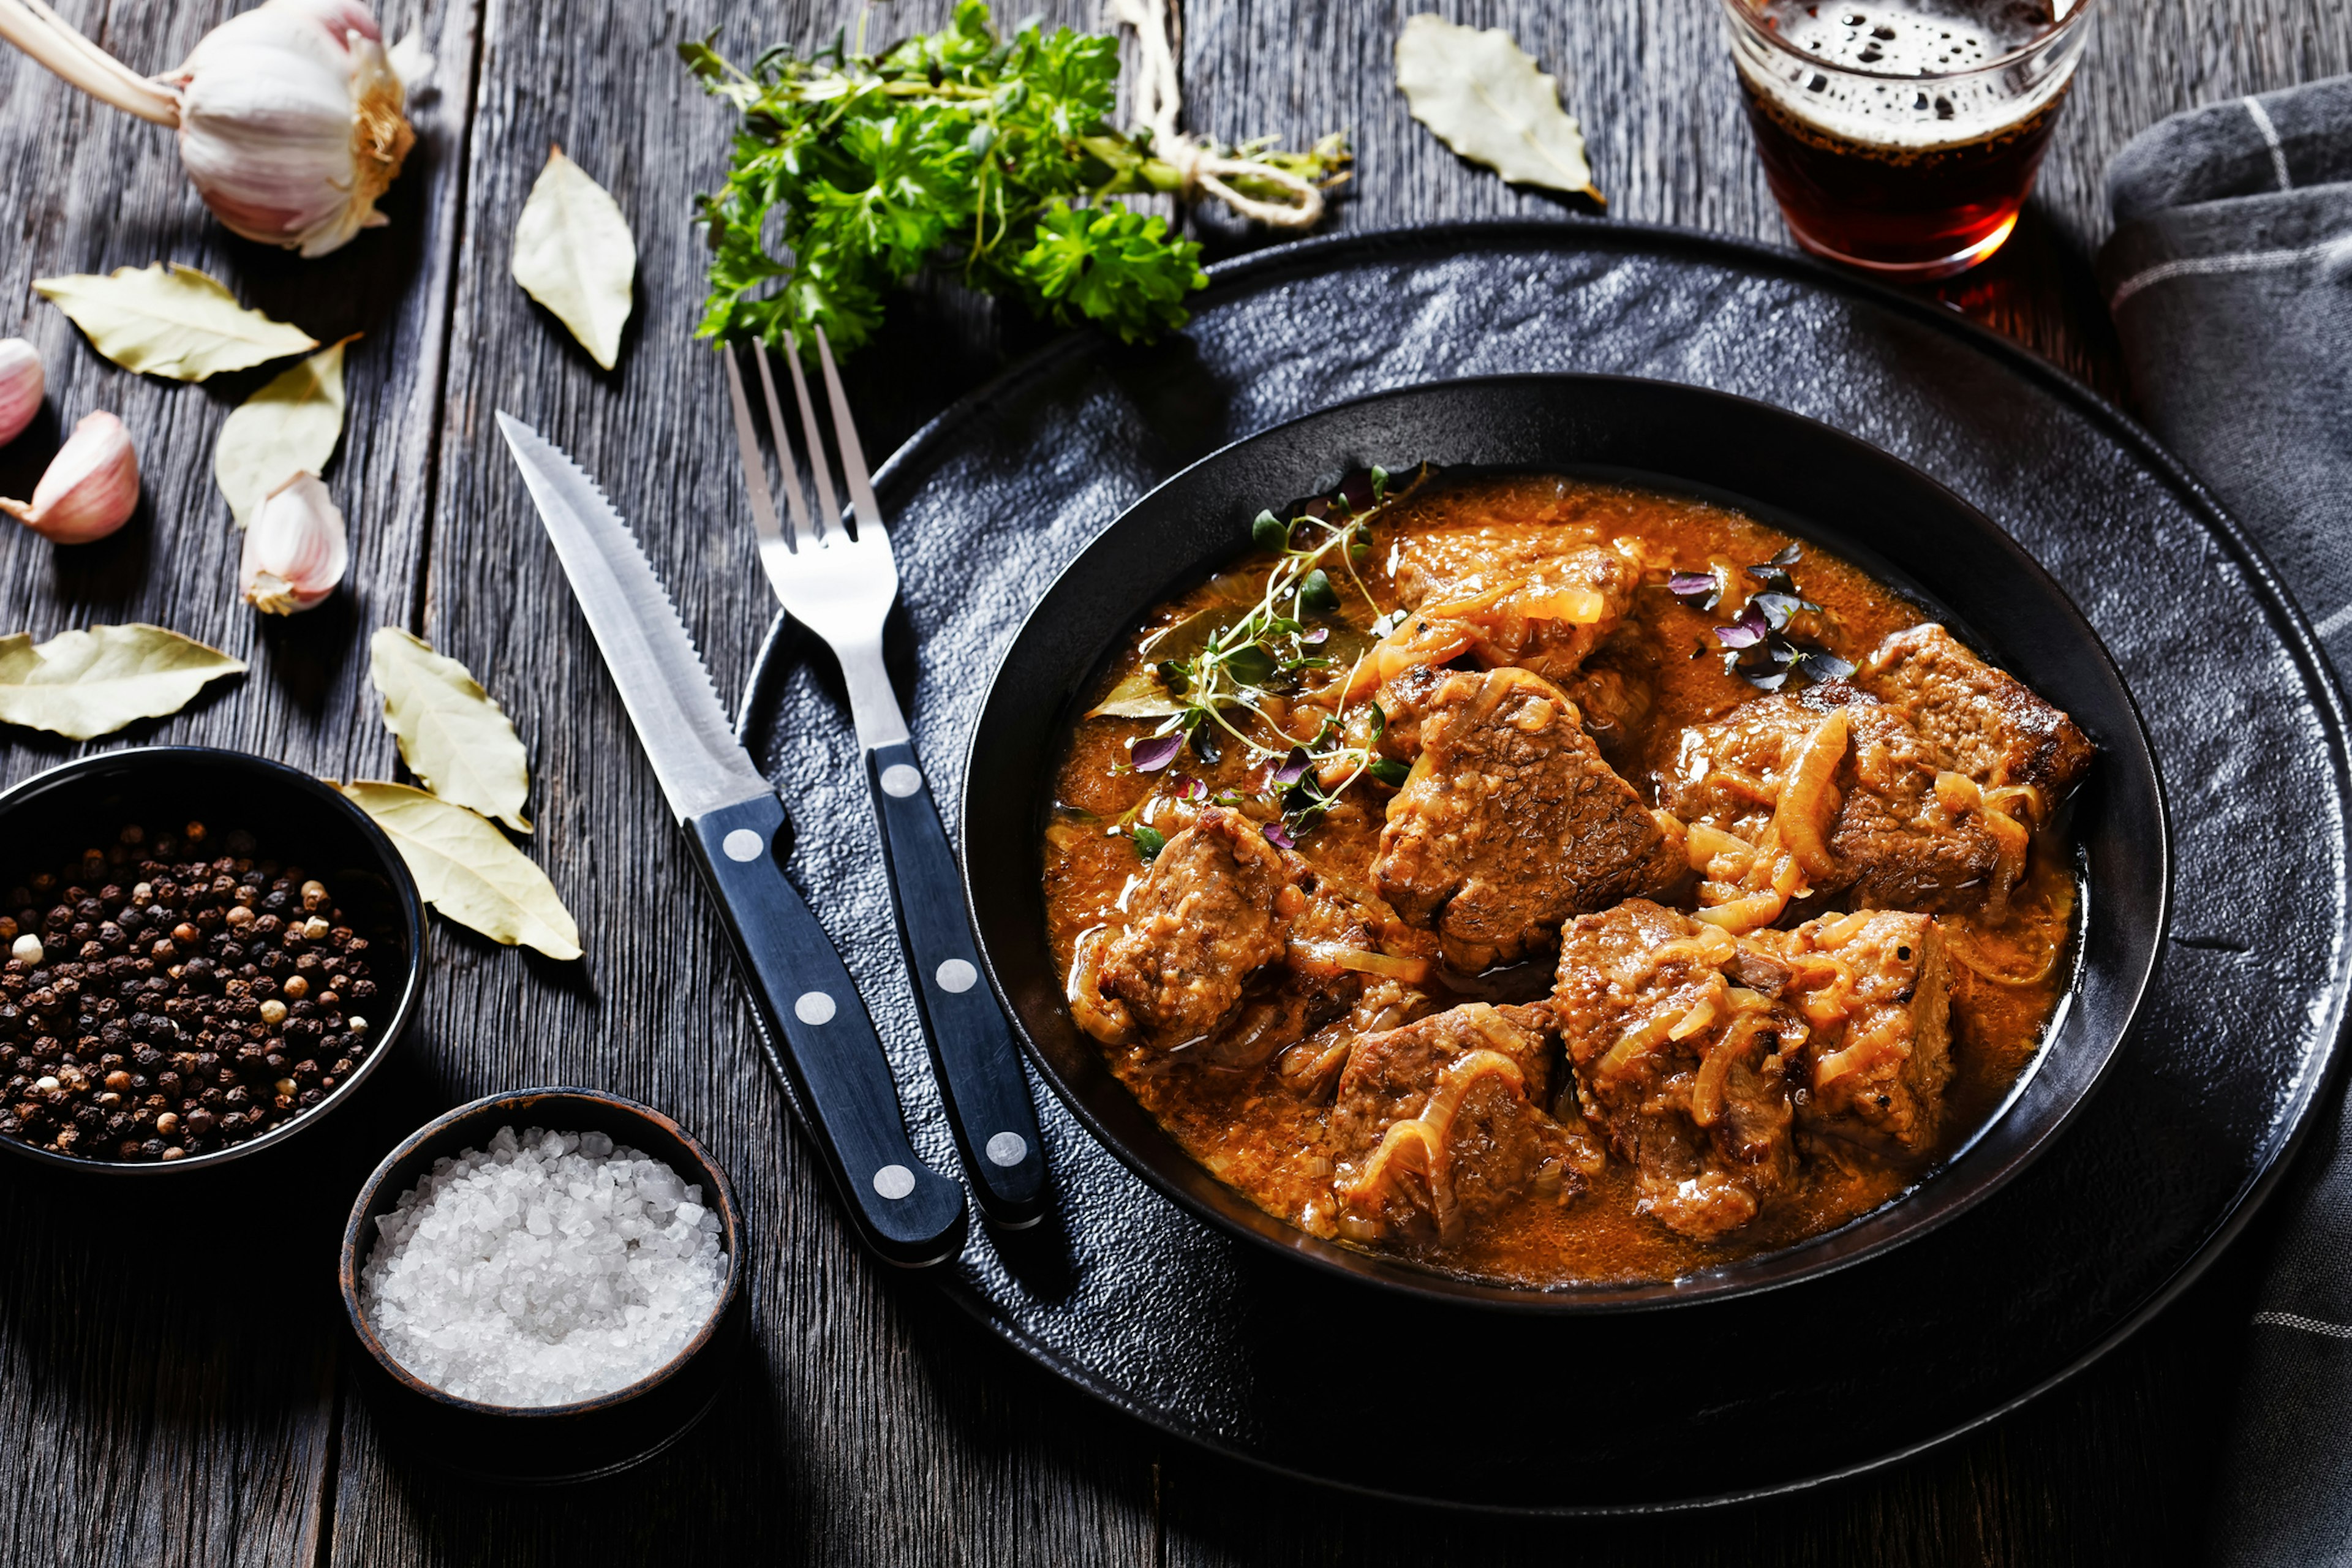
[(291, 122), (90, 488), (22, 385), (296, 549)]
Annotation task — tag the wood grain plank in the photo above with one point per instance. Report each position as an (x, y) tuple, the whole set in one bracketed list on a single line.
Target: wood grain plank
[(875, 1424), (163, 1403), (841, 1455), (167, 1366)]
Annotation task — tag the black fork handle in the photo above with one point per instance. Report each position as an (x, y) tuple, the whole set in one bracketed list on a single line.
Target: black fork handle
[(971, 1043)]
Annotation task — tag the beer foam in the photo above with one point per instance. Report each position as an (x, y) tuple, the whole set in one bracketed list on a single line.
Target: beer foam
[(1902, 55)]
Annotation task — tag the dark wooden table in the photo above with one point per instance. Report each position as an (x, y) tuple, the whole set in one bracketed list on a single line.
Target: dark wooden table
[(169, 1387)]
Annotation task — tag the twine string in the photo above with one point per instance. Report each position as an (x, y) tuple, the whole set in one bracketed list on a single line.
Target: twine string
[(1202, 165)]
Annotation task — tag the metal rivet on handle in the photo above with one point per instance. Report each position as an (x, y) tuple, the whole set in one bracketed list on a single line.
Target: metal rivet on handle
[(741, 844), (957, 975), (813, 1007), (1007, 1149), (899, 781), (893, 1182)]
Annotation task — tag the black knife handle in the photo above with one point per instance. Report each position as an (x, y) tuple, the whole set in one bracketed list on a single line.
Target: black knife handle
[(972, 1045), (819, 1036)]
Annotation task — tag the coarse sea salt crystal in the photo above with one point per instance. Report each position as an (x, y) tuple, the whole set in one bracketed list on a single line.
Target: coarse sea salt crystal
[(542, 1268)]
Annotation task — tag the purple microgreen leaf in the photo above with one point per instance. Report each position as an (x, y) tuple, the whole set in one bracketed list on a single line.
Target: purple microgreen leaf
[(1820, 664), (1316, 637), (1279, 836), (1184, 786), (1697, 589), (1293, 769), (1357, 490), (1789, 557), (1318, 509), (1205, 745), (1750, 630), (1764, 678), (1151, 755), (1776, 608)]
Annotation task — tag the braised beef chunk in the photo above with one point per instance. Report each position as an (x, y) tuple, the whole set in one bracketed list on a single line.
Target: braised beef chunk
[(1216, 908), (1312, 1067), (1343, 940), (1985, 722), (1875, 987), (1533, 596), (1688, 1072), (1615, 692), (1511, 822), (1441, 1124), (1893, 839)]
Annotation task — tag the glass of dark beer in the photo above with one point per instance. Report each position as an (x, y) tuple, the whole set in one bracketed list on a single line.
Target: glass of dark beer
[(1901, 136)]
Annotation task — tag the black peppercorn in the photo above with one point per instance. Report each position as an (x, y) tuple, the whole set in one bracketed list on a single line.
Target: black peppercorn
[(233, 956)]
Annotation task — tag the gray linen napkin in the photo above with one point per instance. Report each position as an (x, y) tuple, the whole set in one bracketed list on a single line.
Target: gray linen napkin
[(2229, 276)]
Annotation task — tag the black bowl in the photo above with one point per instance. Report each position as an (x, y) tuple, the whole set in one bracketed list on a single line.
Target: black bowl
[(1791, 472), (293, 816), (540, 1445)]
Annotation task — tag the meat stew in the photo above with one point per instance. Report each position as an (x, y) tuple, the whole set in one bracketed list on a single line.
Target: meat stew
[(1555, 882)]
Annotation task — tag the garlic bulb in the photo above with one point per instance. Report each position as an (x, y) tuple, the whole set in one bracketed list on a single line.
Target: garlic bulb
[(291, 123), (290, 116), (21, 387), (90, 488), (296, 550)]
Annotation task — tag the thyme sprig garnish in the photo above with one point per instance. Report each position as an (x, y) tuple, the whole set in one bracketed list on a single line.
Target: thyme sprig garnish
[(1281, 640)]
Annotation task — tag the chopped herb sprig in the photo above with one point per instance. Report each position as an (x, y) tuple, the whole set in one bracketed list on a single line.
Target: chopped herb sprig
[(986, 154), (1280, 641)]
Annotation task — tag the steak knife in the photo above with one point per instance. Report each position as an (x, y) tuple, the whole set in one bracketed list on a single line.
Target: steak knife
[(813, 1022)]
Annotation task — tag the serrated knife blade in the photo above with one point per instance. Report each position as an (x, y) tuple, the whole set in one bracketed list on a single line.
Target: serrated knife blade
[(662, 679)]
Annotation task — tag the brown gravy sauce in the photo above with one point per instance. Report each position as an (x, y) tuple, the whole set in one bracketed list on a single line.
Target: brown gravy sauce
[(1260, 1137)]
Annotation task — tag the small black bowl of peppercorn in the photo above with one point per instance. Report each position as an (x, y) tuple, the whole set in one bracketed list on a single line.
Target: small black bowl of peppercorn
[(202, 952)]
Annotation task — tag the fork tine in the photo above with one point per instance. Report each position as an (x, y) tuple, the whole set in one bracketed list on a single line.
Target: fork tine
[(844, 430), (746, 447), (804, 531), (825, 497)]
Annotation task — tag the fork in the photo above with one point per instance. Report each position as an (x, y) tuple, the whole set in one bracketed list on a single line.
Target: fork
[(840, 583)]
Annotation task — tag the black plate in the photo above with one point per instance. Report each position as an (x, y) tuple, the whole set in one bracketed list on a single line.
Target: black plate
[(1125, 1294), (1810, 480)]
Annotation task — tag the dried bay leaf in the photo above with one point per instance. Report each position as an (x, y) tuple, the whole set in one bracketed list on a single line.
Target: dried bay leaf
[(452, 733), (93, 682), (466, 868), (289, 426), (573, 254), (1143, 695), (1483, 96), (170, 321)]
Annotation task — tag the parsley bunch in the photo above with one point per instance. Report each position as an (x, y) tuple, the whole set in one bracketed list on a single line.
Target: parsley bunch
[(986, 155)]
